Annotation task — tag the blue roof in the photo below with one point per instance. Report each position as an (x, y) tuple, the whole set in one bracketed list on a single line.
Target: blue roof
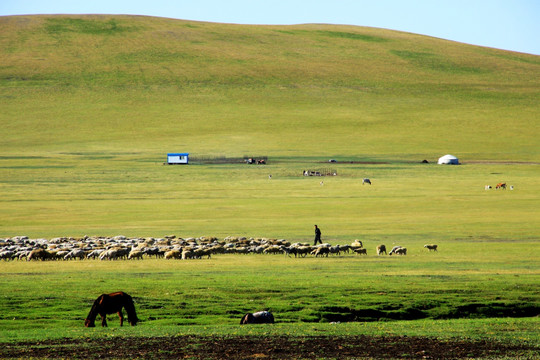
[(177, 154)]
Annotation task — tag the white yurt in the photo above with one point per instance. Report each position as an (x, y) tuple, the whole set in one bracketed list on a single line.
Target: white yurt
[(448, 160)]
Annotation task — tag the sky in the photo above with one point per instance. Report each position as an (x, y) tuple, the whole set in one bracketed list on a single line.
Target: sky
[(504, 24)]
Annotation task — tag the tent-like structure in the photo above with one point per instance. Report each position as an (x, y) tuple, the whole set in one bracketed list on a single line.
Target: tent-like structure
[(448, 160)]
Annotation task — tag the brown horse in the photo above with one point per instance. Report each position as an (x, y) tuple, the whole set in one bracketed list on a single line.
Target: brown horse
[(501, 186), (110, 304)]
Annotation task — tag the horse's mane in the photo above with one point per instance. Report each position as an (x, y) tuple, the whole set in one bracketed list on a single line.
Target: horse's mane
[(94, 311), (130, 309)]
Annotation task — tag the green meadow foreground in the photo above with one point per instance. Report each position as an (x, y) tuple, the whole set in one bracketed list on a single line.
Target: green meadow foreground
[(462, 292)]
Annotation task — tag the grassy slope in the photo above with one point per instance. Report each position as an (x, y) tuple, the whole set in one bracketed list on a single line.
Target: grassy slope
[(106, 83), (91, 104)]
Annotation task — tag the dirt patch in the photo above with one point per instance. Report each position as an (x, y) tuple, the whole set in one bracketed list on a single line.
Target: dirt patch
[(255, 347)]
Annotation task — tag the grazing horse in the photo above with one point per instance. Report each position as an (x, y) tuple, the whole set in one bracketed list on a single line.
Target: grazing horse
[(501, 186), (110, 304), (366, 181), (261, 317)]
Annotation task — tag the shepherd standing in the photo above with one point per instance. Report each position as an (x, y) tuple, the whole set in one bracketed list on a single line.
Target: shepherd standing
[(317, 235)]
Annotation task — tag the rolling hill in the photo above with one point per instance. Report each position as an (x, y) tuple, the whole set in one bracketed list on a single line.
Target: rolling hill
[(133, 84)]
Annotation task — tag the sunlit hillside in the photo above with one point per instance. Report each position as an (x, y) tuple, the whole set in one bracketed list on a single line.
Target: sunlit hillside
[(115, 84)]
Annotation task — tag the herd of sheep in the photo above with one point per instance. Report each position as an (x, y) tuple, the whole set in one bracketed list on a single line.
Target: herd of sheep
[(170, 247)]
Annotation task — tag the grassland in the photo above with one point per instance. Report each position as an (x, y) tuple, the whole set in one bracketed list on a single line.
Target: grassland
[(91, 105)]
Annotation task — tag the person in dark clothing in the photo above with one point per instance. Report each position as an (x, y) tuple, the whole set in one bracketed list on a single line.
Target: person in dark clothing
[(317, 235)]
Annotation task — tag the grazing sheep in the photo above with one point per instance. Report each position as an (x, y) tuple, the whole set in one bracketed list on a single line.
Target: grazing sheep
[(261, 317), (173, 254), (335, 249), (431, 247), (95, 253), (302, 251), (135, 254), (74, 254), (39, 254), (360, 251), (401, 251), (274, 249), (321, 251), (6, 255), (345, 248), (381, 249), (366, 181), (110, 254), (199, 253), (394, 250), (187, 254), (357, 244)]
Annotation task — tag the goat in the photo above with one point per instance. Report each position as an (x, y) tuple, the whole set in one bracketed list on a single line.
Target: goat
[(381, 249)]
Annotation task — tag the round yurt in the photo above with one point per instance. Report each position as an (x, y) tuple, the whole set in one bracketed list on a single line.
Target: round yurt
[(448, 160)]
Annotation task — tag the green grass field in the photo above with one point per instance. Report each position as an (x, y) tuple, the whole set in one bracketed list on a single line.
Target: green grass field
[(461, 281), (91, 105)]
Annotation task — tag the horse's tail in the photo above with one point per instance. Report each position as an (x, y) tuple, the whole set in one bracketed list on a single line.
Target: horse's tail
[(130, 309), (94, 311)]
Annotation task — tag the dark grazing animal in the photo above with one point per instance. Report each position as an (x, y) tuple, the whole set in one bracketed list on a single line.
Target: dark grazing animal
[(110, 304), (261, 317)]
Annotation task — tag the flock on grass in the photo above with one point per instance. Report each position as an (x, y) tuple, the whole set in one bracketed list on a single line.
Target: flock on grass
[(171, 247)]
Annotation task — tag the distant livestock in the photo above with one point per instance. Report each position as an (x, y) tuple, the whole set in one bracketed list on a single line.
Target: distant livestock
[(261, 317), (360, 251), (321, 251), (39, 254), (398, 250), (366, 181), (381, 249), (357, 244), (501, 186), (431, 247)]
